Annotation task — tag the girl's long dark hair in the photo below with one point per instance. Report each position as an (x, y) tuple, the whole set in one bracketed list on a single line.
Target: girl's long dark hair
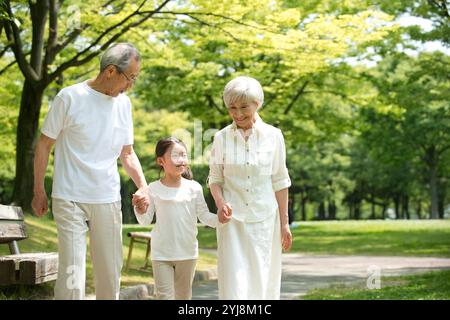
[(161, 148)]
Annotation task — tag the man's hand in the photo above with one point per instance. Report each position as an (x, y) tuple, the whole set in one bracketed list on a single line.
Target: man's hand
[(141, 200), (39, 203), (225, 212)]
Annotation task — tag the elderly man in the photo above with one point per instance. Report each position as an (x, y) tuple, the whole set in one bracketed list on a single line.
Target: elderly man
[(91, 126)]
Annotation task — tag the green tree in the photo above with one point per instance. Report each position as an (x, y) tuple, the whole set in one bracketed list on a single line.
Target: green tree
[(45, 44), (414, 92), (195, 39)]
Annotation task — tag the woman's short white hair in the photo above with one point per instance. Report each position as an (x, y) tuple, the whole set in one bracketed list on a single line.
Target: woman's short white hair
[(244, 90)]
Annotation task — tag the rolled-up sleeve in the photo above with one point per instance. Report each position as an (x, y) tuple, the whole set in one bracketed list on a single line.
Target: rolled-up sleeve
[(280, 175), (216, 162)]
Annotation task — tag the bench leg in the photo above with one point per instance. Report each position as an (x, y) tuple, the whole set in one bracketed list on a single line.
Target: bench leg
[(13, 247), (130, 250), (147, 254)]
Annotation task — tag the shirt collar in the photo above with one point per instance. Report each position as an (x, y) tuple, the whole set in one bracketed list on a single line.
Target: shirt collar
[(256, 125)]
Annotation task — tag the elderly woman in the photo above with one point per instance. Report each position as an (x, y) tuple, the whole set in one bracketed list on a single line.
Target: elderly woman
[(249, 181)]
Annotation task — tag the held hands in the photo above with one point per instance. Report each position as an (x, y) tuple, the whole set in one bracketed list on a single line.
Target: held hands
[(39, 204), (225, 212), (286, 237), (141, 200)]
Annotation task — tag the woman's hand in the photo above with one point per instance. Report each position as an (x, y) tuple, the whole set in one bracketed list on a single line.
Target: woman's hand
[(225, 212), (286, 237)]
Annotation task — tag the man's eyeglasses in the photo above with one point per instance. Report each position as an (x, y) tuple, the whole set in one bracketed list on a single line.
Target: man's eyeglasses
[(129, 79)]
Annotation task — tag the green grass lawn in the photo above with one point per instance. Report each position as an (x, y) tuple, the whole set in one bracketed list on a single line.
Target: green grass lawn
[(391, 238), (388, 238), (370, 237), (428, 286)]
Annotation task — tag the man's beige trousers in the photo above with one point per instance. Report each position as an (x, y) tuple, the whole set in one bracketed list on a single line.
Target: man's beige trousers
[(104, 223)]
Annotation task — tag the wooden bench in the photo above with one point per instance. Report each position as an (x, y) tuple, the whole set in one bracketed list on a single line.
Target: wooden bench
[(139, 237), (22, 268)]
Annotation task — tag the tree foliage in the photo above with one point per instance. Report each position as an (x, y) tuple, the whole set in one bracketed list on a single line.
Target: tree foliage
[(365, 114)]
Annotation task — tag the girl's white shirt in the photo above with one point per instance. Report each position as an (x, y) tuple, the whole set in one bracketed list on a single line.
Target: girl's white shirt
[(174, 236)]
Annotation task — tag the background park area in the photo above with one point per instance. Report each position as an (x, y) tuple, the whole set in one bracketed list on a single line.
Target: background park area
[(359, 88)]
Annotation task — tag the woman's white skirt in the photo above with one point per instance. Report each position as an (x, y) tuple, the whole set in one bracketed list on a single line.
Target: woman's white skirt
[(249, 259)]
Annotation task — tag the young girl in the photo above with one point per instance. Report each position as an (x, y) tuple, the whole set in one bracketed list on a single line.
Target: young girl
[(177, 201)]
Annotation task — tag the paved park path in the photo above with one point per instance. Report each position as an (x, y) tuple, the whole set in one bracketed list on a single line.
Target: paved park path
[(302, 273)]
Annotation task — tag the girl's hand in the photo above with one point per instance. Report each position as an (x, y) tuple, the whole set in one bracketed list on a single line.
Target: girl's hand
[(141, 200), (140, 210), (286, 237)]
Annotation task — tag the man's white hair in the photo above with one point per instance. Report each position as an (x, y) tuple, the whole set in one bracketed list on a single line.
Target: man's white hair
[(243, 90), (119, 55)]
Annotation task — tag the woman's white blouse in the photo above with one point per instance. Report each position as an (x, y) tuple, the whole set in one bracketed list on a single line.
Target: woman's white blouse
[(250, 172), (174, 236)]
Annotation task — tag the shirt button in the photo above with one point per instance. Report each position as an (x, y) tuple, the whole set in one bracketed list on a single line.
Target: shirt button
[(246, 204)]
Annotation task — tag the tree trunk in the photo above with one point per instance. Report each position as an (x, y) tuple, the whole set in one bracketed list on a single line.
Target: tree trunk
[(126, 191), (441, 208), (405, 207), (321, 211), (332, 210), (419, 209), (383, 211), (30, 107), (434, 192), (397, 207), (431, 159), (303, 205), (291, 215), (357, 212), (372, 200), (350, 210)]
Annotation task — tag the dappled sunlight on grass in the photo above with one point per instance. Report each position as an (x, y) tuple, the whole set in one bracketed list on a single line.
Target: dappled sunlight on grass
[(43, 224), (135, 277), (206, 261), (429, 286), (396, 238)]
